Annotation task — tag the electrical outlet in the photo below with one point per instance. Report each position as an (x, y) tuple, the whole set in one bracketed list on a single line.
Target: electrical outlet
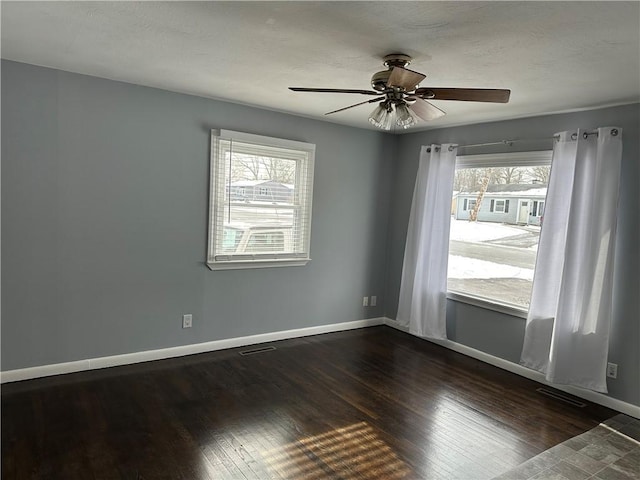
[(612, 370), (374, 300), (365, 301), (187, 320)]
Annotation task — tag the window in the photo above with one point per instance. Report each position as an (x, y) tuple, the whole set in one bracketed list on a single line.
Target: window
[(538, 208), (499, 206), (260, 201), (469, 204), (492, 258)]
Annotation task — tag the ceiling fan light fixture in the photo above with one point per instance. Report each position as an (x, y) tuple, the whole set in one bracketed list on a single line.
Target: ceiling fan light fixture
[(403, 102), (388, 120), (381, 117), (404, 117)]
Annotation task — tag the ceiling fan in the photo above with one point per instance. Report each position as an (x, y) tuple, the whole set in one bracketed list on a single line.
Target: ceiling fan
[(402, 101)]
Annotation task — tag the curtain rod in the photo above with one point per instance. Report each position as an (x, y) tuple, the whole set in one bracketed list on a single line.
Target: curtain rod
[(574, 136)]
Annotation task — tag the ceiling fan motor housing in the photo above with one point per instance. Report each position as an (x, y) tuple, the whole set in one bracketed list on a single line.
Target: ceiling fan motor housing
[(379, 79), (396, 60)]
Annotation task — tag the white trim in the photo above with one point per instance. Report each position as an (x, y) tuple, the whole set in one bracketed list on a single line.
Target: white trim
[(238, 264), (511, 159), (264, 140), (595, 397), (159, 354), (301, 204), (487, 304)]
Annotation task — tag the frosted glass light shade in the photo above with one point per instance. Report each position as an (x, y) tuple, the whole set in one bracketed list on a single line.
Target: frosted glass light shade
[(404, 117), (380, 117)]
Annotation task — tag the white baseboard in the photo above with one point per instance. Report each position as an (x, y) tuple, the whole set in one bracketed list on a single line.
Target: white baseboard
[(149, 355), (595, 397), (159, 354)]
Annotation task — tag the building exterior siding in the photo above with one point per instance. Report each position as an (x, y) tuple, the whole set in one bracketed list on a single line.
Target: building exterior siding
[(464, 202)]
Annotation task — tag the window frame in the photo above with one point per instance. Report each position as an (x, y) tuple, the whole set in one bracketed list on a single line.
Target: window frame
[(494, 205), (468, 204), (217, 260), (488, 160), (536, 207)]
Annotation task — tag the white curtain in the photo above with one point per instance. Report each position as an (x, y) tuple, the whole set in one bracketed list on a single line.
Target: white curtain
[(567, 329), (423, 289)]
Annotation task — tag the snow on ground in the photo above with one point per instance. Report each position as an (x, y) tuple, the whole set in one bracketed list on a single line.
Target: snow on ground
[(481, 231), (464, 267)]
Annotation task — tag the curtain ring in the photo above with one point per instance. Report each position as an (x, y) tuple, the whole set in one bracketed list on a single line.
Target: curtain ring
[(614, 132)]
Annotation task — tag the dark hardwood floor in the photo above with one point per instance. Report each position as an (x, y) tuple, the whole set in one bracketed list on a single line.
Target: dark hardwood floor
[(365, 404)]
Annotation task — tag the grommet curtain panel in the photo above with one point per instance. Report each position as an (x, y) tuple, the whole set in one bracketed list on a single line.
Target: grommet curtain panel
[(423, 288), (567, 329)]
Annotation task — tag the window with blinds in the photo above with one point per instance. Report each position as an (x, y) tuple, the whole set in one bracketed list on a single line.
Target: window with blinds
[(260, 201)]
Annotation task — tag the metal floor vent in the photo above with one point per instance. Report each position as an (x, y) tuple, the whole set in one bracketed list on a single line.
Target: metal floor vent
[(257, 350), (561, 397)]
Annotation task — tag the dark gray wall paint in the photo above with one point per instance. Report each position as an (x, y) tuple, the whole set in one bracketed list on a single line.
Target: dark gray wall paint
[(104, 221), (499, 334)]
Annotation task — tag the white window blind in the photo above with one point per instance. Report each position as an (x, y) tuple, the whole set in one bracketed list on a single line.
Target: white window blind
[(260, 201)]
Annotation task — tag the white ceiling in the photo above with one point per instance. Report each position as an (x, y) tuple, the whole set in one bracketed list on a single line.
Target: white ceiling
[(554, 56)]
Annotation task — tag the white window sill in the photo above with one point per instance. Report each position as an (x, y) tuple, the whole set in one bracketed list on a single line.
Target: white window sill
[(512, 310), (244, 264)]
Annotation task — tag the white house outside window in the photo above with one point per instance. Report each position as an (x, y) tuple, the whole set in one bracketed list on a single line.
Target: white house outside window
[(260, 201), (497, 210)]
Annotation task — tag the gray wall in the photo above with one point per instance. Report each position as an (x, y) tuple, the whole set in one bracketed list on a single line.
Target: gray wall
[(104, 221), (104, 217), (502, 335)]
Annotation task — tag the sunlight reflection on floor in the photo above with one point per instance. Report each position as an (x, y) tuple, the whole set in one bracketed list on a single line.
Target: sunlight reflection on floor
[(351, 452)]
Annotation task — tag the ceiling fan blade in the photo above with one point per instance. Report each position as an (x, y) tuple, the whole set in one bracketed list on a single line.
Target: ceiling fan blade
[(426, 110), (373, 100), (465, 94), (334, 90), (404, 78)]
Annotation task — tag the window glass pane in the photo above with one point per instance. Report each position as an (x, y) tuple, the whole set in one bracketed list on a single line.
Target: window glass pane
[(231, 238), (260, 193), (494, 241)]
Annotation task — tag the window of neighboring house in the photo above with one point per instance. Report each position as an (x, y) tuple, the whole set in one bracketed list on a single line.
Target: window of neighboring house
[(469, 204), (492, 259), (499, 206), (538, 208), (247, 232)]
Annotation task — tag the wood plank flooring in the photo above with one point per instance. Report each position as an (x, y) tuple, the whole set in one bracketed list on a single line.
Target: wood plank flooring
[(373, 403)]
